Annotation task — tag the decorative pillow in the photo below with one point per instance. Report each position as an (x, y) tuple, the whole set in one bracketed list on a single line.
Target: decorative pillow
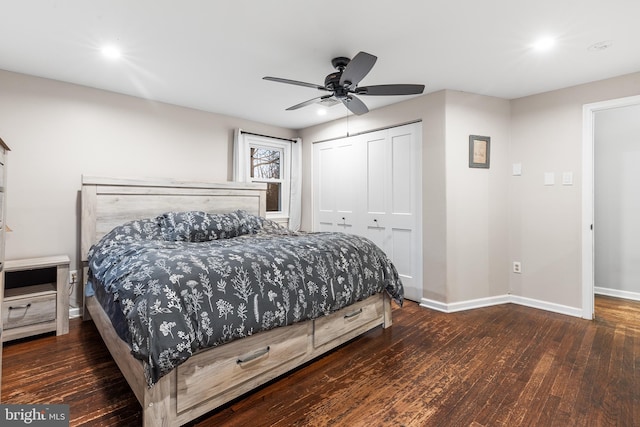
[(199, 226), (132, 231), (250, 224), (270, 227)]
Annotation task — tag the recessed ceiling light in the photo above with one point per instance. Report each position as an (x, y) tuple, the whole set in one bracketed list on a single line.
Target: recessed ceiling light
[(544, 43), (111, 52), (597, 47)]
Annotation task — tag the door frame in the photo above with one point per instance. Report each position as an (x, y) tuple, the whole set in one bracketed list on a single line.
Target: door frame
[(588, 195)]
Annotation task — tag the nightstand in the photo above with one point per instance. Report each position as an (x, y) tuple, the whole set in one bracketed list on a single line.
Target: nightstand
[(36, 297)]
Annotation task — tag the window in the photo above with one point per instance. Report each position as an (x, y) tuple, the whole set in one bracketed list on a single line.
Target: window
[(276, 162), (269, 162)]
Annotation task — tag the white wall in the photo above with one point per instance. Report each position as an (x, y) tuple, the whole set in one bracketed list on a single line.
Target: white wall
[(617, 199), (545, 221), (429, 109), (58, 131), (465, 232), (477, 220)]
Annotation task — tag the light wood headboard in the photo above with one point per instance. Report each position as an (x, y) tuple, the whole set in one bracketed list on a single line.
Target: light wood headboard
[(108, 202)]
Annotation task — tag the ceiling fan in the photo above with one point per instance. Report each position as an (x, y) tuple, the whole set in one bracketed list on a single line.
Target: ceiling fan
[(343, 84)]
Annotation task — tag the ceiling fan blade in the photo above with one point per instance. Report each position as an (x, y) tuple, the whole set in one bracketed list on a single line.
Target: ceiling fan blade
[(295, 82), (355, 105), (309, 102), (390, 90), (357, 68)]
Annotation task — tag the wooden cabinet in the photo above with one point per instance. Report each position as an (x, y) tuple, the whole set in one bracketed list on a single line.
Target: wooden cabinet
[(36, 299), (3, 179)]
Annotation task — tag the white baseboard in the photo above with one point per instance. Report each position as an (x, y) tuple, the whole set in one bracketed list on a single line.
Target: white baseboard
[(464, 305), (75, 312), (548, 306), (497, 300), (617, 293), (490, 301)]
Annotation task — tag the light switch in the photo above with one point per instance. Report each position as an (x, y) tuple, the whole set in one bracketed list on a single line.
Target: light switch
[(549, 178), (517, 169), (567, 178)]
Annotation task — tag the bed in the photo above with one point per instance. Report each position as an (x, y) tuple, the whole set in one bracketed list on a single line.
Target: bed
[(173, 392)]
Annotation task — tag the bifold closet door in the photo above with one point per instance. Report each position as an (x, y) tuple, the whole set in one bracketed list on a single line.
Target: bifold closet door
[(371, 185), (337, 178), (392, 200)]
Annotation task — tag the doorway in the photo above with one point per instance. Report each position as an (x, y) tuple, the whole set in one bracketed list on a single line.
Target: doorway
[(590, 112)]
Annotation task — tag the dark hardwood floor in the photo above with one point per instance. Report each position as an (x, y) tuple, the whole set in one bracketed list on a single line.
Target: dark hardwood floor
[(499, 366)]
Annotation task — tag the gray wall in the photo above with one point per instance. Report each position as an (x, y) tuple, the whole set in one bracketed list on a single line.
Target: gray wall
[(59, 131), (465, 232), (545, 221), (475, 221), (477, 216)]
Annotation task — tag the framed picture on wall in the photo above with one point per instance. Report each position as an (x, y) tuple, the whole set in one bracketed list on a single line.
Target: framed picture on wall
[(479, 151)]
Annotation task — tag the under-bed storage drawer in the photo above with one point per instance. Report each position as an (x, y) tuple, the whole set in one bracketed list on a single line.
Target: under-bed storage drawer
[(28, 310), (204, 377), (352, 320)]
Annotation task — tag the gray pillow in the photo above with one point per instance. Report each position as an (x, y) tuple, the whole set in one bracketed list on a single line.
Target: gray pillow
[(199, 226)]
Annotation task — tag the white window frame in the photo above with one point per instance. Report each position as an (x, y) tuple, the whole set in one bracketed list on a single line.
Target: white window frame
[(285, 170)]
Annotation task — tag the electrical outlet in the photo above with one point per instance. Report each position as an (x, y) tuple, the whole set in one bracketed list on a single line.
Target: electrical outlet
[(517, 267), (73, 277)]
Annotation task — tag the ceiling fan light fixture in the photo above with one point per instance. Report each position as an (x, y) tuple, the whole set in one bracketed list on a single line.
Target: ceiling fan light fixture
[(343, 83), (329, 101)]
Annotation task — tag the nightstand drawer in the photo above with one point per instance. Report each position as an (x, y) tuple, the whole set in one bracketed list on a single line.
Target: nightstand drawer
[(28, 310), (36, 299)]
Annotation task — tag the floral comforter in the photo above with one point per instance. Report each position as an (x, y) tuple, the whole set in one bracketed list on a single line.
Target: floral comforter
[(190, 280)]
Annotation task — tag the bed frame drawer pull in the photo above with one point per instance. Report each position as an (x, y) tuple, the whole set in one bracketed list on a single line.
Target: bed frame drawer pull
[(253, 356), (353, 314), (20, 307)]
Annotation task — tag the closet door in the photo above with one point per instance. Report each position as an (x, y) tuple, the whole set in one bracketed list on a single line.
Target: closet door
[(392, 206), (375, 194), (371, 185), (337, 177)]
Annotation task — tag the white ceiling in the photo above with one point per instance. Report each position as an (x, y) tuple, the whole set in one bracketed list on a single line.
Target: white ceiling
[(212, 54)]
